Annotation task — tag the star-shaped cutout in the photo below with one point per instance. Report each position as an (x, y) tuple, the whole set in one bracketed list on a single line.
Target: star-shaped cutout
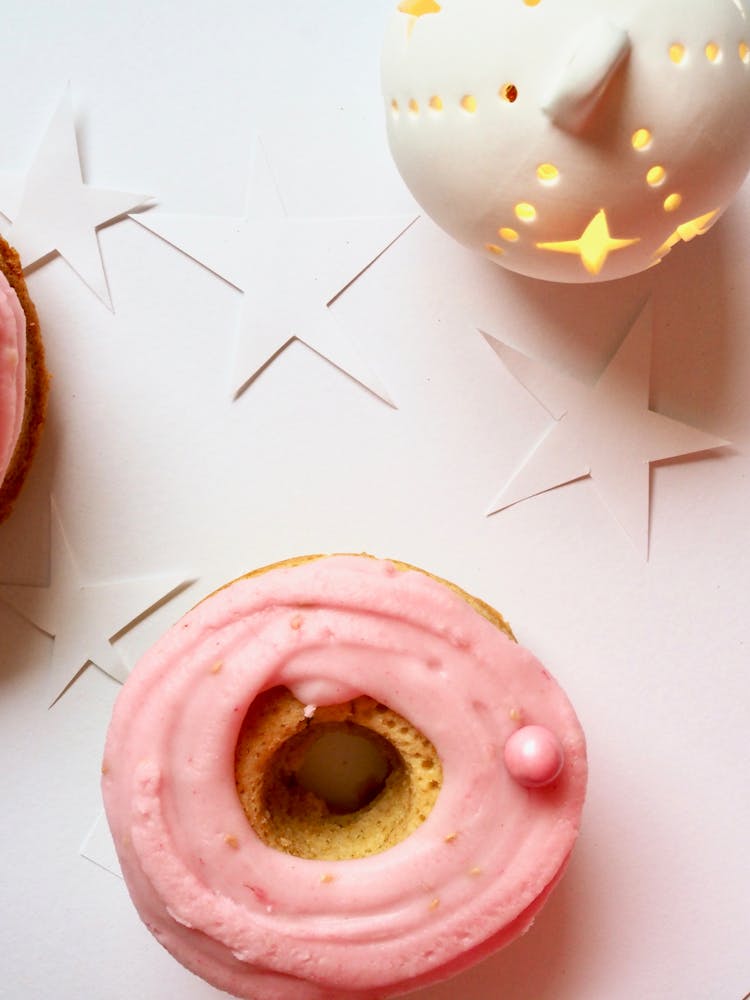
[(99, 848), (687, 231), (418, 8), (605, 431), (83, 617), (290, 271), (594, 245), (55, 212)]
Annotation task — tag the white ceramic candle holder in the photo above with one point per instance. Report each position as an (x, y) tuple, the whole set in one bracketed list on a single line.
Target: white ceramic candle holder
[(571, 140)]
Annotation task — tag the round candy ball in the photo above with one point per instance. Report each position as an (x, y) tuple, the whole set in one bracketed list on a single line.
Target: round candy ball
[(534, 756), (576, 141)]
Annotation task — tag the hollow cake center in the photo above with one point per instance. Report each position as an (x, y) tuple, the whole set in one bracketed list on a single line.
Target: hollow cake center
[(352, 780), (346, 765)]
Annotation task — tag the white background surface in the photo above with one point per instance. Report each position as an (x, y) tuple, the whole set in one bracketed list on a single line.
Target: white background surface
[(155, 469)]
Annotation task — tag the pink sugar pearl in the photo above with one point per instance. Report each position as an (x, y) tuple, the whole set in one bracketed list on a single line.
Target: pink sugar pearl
[(534, 756)]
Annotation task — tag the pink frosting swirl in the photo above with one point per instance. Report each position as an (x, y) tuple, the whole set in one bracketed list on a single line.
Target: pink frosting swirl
[(12, 372), (263, 924)]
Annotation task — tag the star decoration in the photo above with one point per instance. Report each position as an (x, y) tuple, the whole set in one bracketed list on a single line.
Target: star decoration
[(687, 231), (417, 8), (83, 617), (55, 212), (594, 245), (290, 270), (99, 848), (605, 431)]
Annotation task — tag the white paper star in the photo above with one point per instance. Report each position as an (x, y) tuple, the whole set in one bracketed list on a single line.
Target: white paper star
[(56, 211), (605, 431), (99, 847), (290, 271), (83, 617)]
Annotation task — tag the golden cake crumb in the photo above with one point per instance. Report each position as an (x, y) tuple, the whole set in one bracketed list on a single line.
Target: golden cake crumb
[(434, 903), (216, 667), (475, 871), (326, 878), (231, 840)]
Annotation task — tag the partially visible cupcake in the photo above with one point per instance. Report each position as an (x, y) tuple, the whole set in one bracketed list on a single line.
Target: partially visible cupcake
[(24, 381)]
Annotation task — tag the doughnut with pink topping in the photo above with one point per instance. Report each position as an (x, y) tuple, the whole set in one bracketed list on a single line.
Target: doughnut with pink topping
[(23, 379), (339, 778)]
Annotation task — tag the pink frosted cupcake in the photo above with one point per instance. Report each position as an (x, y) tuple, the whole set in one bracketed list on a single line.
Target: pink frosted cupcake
[(23, 379), (340, 778)]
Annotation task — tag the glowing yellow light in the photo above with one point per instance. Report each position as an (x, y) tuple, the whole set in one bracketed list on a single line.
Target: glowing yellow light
[(419, 7), (494, 248), (508, 234), (713, 52), (436, 103), (656, 176), (687, 231), (525, 212), (641, 138), (394, 105), (532, 3), (744, 51), (594, 245), (672, 202), (697, 227), (414, 106), (666, 246), (547, 172), (469, 103), (677, 53)]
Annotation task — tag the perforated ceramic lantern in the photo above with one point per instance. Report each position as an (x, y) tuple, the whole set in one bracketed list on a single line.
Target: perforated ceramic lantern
[(572, 140)]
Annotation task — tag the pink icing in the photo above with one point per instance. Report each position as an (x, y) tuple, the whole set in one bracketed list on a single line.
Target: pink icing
[(263, 924), (12, 372)]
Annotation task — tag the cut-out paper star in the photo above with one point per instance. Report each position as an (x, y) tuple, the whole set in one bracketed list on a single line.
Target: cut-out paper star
[(290, 271), (605, 431), (55, 212), (99, 847), (83, 617)]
